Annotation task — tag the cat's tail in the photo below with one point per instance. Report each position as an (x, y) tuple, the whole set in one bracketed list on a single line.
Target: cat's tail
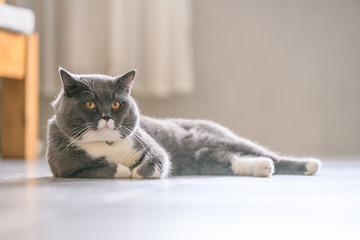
[(299, 166)]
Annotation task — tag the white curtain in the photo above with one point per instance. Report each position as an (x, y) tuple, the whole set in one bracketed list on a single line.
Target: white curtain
[(114, 36)]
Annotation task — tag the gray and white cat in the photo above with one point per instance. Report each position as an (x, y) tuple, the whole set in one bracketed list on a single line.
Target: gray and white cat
[(97, 131)]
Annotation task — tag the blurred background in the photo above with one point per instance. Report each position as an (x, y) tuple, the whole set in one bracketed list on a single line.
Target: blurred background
[(285, 74)]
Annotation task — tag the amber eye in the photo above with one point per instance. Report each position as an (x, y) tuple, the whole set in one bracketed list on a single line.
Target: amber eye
[(90, 105), (115, 105)]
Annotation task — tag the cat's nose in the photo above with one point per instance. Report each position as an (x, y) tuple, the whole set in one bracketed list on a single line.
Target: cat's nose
[(106, 118)]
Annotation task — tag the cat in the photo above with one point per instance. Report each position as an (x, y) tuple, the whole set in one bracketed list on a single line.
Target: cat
[(98, 132)]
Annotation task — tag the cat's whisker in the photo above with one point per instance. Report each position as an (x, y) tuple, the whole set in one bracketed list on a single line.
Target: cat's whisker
[(126, 123), (73, 141), (126, 131), (141, 142), (136, 136), (76, 129), (79, 135)]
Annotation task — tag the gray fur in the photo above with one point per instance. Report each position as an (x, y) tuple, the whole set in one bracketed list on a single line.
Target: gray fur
[(186, 147)]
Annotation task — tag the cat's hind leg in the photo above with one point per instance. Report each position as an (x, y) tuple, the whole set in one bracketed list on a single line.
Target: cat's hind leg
[(252, 166), (300, 166), (218, 162)]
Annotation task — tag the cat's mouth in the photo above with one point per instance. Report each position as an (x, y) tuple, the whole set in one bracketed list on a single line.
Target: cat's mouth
[(104, 128), (101, 135), (106, 124)]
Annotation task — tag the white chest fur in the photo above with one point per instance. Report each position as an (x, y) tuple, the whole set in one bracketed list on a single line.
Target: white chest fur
[(122, 151)]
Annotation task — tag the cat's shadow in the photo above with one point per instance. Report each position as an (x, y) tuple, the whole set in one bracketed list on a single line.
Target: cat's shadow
[(50, 180)]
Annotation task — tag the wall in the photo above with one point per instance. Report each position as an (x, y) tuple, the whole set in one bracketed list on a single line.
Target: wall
[(283, 73)]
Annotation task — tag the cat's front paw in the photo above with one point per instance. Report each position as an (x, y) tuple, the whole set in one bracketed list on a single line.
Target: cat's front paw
[(264, 167), (122, 172), (139, 173), (152, 168), (312, 166)]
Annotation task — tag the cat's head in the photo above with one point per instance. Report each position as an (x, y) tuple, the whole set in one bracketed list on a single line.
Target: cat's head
[(96, 107)]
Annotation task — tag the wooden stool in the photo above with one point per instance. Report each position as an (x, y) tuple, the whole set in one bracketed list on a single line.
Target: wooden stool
[(19, 110)]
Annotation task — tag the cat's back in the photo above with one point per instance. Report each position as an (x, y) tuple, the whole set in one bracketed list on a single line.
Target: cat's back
[(178, 129), (175, 123)]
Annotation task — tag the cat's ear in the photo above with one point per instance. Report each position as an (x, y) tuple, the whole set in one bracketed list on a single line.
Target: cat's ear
[(126, 80), (70, 84)]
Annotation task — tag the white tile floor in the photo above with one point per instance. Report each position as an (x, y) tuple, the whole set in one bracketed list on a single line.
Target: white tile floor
[(34, 205)]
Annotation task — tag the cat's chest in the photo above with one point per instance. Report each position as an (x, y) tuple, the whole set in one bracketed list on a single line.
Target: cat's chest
[(122, 151)]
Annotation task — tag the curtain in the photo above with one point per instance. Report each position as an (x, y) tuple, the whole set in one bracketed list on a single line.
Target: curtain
[(114, 36)]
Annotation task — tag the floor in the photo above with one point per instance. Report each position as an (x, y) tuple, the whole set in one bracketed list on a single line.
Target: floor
[(34, 205)]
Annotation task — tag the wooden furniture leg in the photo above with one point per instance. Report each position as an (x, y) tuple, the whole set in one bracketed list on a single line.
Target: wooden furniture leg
[(19, 116)]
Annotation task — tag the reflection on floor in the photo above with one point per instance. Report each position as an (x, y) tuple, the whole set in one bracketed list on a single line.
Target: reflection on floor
[(34, 205)]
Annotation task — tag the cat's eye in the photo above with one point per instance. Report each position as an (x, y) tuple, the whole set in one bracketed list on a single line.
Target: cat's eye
[(115, 105), (90, 105)]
